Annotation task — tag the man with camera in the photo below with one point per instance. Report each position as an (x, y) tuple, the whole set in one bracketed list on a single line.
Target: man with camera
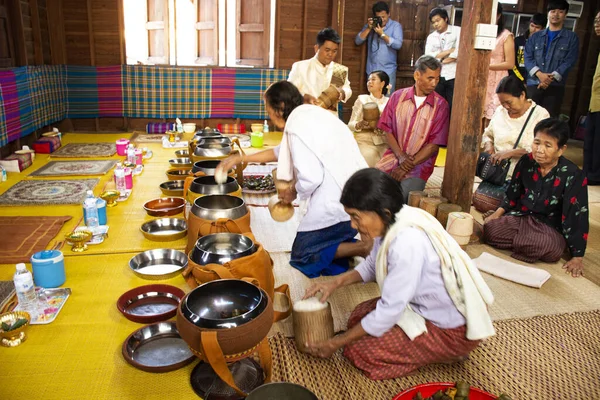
[(384, 39)]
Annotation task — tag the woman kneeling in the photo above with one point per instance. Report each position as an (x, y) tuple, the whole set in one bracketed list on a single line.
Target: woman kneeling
[(546, 204), (422, 316)]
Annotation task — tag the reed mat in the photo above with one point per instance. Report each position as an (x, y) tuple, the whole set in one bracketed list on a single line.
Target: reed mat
[(75, 168), (46, 192), (7, 295), (97, 149), (274, 236), (548, 357)]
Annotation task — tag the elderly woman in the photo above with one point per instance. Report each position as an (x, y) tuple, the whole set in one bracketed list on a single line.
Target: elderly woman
[(546, 205), (319, 162), (371, 142), (423, 316)]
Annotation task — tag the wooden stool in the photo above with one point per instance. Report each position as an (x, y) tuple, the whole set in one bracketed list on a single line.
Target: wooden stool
[(443, 211)]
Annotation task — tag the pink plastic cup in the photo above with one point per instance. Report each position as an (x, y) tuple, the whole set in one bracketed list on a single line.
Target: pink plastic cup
[(122, 146)]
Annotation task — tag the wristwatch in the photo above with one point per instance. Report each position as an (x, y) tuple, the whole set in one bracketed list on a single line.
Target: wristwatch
[(382, 35)]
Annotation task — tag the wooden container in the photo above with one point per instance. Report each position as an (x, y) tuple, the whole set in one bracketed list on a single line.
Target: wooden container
[(430, 204), (414, 197), (329, 97), (443, 211), (311, 326), (371, 114)]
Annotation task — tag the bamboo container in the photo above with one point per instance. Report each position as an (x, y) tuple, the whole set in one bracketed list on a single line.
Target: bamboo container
[(328, 97), (414, 198), (371, 114), (430, 204), (444, 210), (311, 326)]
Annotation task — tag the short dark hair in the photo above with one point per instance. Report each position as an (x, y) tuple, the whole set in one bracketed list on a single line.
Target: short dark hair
[(511, 85), (439, 11), (283, 97), (427, 62), (539, 19), (501, 20), (380, 6), (558, 5), (385, 78), (554, 127), (328, 34), (373, 190)]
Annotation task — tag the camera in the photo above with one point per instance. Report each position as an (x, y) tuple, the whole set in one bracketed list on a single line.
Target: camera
[(377, 21)]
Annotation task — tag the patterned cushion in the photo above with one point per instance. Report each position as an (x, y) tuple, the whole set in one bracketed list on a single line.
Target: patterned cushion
[(46, 145), (231, 128)]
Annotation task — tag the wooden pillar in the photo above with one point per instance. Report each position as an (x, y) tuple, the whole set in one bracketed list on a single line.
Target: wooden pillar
[(57, 32), (37, 33), (469, 100), (16, 17)]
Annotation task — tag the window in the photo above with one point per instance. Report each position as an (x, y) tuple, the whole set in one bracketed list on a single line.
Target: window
[(200, 32)]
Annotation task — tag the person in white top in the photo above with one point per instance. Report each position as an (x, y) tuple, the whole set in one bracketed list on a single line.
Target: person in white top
[(321, 166), (508, 120), (371, 141), (314, 75), (442, 44)]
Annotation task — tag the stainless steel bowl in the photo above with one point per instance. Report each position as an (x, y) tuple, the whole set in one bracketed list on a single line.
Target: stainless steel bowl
[(224, 304), (281, 390), (212, 140), (182, 153), (207, 185), (158, 263), (216, 206), (208, 132), (220, 248), (180, 162), (172, 188), (164, 229), (212, 150), (206, 166)]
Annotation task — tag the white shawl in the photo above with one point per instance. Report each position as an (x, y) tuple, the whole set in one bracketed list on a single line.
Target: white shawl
[(462, 279)]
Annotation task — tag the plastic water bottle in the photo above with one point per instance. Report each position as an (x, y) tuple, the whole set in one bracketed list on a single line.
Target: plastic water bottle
[(3, 178), (90, 207), (26, 291), (131, 157), (120, 179), (265, 127), (178, 125)]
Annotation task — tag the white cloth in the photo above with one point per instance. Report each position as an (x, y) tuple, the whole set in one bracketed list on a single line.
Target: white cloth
[(414, 277), (462, 279), (503, 131), (439, 42), (319, 152), (312, 77), (528, 276), (357, 108), (419, 100)]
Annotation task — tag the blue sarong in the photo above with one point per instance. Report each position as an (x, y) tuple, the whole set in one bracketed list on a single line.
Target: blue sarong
[(313, 252)]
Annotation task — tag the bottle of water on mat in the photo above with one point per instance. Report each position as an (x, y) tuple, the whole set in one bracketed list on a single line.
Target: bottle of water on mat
[(120, 179), (26, 291), (131, 157), (90, 207), (265, 127)]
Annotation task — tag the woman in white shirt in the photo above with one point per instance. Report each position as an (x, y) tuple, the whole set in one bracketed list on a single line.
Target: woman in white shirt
[(371, 142), (319, 162), (423, 315), (507, 122)]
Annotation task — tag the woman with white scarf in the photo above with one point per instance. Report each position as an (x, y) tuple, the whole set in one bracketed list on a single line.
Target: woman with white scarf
[(318, 153), (433, 304)]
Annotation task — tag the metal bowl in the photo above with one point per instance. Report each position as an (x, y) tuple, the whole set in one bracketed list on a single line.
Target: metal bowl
[(182, 153), (172, 188), (220, 248), (203, 142), (176, 174), (206, 166), (165, 206), (281, 390), (158, 263), (208, 132), (206, 185), (150, 303), (164, 229), (216, 206), (182, 162), (14, 337), (212, 150), (224, 304)]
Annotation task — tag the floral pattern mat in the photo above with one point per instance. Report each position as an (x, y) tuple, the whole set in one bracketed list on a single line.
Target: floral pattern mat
[(143, 137), (87, 167), (86, 150), (38, 192)]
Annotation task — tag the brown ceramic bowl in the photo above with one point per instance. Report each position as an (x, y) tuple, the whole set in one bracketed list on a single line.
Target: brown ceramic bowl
[(165, 206), (150, 303)]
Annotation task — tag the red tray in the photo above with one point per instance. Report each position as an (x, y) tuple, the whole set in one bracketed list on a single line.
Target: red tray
[(428, 389)]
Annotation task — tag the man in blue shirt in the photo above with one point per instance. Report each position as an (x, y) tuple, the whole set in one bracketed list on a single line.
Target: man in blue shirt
[(384, 39), (549, 55)]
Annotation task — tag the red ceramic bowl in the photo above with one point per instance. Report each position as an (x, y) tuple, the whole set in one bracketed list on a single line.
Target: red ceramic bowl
[(428, 389), (150, 303), (165, 206)]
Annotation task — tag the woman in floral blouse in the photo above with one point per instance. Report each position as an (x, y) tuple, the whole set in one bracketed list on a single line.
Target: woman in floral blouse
[(546, 205)]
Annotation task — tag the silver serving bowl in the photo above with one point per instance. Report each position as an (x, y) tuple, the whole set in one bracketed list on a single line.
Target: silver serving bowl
[(208, 132), (220, 248), (158, 263), (212, 150), (206, 166), (216, 206), (224, 304), (180, 162), (182, 153), (172, 188), (207, 185), (164, 229), (202, 142)]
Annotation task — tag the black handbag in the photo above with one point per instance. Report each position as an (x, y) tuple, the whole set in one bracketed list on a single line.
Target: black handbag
[(496, 173)]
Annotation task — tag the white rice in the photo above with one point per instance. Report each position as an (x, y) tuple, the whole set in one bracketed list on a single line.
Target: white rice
[(311, 304)]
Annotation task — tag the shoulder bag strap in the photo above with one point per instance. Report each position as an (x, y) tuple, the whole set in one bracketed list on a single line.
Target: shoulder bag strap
[(524, 126)]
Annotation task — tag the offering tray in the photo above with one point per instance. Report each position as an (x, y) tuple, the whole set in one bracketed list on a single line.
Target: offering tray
[(55, 300), (150, 303), (157, 348)]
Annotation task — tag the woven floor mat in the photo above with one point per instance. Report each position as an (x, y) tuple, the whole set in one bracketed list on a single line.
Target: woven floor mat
[(47, 192), (75, 168), (143, 137), (343, 301), (274, 236), (560, 294), (86, 150), (549, 357), (591, 266)]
